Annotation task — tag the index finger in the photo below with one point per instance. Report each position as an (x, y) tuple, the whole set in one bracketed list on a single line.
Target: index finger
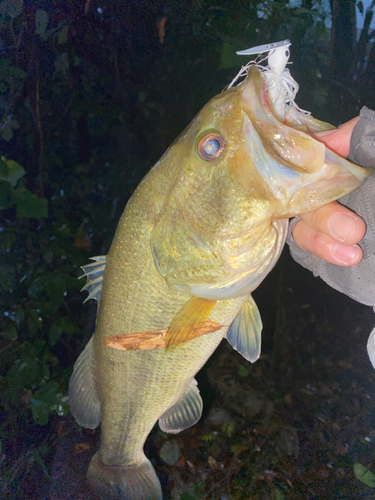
[(338, 222), (338, 140)]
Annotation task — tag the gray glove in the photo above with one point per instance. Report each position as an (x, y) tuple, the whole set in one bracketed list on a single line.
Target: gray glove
[(358, 282)]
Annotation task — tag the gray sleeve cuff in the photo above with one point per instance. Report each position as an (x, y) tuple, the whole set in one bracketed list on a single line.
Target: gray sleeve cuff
[(362, 142)]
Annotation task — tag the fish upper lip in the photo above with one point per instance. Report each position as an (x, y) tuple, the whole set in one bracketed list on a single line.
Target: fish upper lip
[(265, 102), (263, 99)]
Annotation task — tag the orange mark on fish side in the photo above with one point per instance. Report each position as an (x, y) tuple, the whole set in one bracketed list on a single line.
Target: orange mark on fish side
[(144, 341)]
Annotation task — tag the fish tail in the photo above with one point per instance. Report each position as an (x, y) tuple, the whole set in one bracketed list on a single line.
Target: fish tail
[(131, 482)]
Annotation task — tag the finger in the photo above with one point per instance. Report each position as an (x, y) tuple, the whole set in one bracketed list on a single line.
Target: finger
[(338, 222), (325, 247), (338, 140)]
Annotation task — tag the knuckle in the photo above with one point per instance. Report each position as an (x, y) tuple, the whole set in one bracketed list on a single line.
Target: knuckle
[(320, 246), (301, 235)]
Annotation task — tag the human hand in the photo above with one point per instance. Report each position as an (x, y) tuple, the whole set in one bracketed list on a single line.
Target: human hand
[(332, 232)]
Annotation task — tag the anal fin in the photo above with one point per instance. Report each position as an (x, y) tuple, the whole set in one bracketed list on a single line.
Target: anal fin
[(245, 332), (185, 413), (83, 400)]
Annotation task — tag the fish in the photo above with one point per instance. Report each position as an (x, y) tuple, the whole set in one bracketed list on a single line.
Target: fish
[(200, 233)]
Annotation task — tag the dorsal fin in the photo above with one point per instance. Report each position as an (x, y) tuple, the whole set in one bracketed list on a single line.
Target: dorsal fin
[(94, 273)]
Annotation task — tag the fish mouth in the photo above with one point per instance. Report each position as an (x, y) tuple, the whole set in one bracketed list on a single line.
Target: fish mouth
[(299, 170)]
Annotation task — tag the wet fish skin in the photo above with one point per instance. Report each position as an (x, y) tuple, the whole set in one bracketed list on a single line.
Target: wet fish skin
[(193, 228)]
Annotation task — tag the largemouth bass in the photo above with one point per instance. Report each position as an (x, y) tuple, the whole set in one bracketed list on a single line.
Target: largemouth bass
[(199, 234)]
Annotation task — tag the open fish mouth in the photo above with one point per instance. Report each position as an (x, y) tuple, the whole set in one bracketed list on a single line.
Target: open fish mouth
[(299, 170)]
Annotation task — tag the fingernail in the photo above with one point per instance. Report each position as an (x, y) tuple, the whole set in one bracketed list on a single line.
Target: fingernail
[(345, 254), (342, 226), (325, 132)]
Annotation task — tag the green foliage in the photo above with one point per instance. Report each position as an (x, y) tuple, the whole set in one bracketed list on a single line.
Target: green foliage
[(11, 171), (12, 8), (364, 475), (209, 437), (229, 428), (243, 370), (228, 56), (29, 205), (41, 23), (277, 495)]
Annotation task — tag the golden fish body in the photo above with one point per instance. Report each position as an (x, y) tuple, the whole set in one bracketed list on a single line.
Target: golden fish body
[(199, 234)]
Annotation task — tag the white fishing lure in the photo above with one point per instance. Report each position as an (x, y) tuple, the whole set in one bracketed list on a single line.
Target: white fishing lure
[(281, 87)]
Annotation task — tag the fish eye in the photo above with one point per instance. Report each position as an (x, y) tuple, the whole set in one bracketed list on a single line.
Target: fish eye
[(211, 146), (287, 53)]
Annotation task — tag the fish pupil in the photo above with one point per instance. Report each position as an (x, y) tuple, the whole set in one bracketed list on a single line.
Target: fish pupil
[(212, 146)]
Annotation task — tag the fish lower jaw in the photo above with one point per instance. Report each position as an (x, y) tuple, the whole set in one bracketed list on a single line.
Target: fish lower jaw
[(321, 192)]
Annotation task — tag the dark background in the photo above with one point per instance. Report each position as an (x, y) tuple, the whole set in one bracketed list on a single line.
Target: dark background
[(91, 95)]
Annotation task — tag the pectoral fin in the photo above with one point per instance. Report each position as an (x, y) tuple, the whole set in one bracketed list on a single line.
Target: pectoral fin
[(185, 413), (195, 311), (244, 333), (83, 400)]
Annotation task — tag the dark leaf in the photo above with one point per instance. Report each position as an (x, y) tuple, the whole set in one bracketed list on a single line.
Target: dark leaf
[(55, 333), (7, 277), (4, 170), (8, 127), (14, 174), (12, 8), (41, 22), (5, 195), (7, 71), (47, 400), (10, 332), (29, 205), (24, 373), (62, 35), (229, 58)]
